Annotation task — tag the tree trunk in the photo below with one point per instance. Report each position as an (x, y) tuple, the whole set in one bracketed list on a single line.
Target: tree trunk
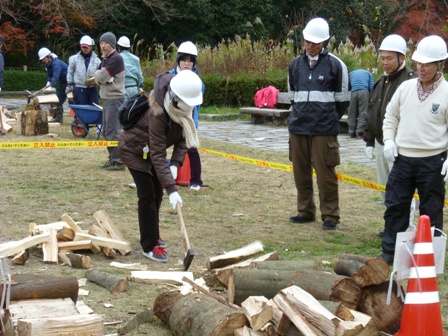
[(164, 303), (365, 271), (373, 303), (283, 265), (323, 286), (198, 314), (111, 282), (31, 286)]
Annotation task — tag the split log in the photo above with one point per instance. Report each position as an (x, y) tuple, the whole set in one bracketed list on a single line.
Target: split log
[(365, 271), (145, 316), (258, 311), (34, 123), (66, 234), (75, 245), (10, 248), (35, 229), (373, 303), (4, 127), (197, 314), (282, 324), (79, 260), (111, 282), (82, 308), (95, 230), (112, 231), (20, 258), (32, 286), (71, 223), (284, 265), (50, 248), (101, 241), (322, 285), (246, 331), (134, 266), (155, 277), (234, 256), (8, 327), (338, 309), (222, 274), (369, 326), (80, 325)]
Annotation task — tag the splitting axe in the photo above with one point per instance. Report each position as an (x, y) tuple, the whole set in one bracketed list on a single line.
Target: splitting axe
[(189, 253)]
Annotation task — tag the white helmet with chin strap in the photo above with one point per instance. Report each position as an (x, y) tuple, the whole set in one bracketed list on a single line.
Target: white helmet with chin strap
[(395, 43), (124, 42), (430, 49), (316, 31), (188, 87), (188, 48), (43, 52)]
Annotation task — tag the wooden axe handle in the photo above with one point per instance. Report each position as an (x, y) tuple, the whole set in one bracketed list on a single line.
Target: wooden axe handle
[(182, 227)]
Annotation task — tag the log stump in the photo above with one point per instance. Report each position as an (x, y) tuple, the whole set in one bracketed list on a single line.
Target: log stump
[(34, 122), (365, 271)]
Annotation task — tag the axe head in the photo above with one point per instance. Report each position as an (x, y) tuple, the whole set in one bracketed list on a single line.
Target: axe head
[(188, 259)]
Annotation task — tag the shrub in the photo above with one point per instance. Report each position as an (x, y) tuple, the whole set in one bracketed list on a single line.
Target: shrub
[(18, 80)]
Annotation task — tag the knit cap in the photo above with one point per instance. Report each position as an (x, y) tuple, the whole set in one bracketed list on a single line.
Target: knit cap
[(109, 38)]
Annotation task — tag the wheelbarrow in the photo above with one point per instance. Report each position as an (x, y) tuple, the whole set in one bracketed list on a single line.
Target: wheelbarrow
[(86, 117)]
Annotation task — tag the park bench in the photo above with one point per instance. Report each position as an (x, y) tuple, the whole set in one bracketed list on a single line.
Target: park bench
[(280, 116)]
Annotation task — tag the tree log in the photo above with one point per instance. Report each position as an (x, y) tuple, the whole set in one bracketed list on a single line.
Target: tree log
[(111, 282), (164, 303), (198, 314), (373, 303), (323, 286), (365, 271), (34, 122), (284, 265), (32, 286)]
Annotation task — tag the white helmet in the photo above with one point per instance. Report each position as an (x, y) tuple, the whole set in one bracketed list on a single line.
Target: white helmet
[(395, 43), (86, 39), (430, 49), (43, 52), (316, 31), (124, 42), (188, 48), (188, 87)]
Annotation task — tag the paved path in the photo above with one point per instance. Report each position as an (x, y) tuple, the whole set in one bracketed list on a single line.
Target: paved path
[(265, 136)]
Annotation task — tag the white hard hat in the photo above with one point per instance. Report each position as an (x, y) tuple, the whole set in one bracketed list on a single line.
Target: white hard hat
[(316, 31), (124, 42), (430, 49), (395, 43), (86, 39), (188, 48), (43, 52), (188, 87)]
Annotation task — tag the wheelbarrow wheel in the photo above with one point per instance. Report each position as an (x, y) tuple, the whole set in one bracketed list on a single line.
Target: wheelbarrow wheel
[(78, 130)]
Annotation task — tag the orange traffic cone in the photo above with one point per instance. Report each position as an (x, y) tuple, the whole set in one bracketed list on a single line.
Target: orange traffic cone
[(183, 174), (421, 313)]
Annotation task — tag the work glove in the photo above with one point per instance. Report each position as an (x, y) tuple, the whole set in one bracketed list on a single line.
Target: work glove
[(174, 199), (68, 89), (369, 152), (48, 84), (445, 170), (390, 150), (50, 89), (174, 172), (90, 81)]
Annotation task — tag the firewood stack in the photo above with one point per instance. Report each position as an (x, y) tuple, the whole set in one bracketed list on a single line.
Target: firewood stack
[(58, 240), (267, 296)]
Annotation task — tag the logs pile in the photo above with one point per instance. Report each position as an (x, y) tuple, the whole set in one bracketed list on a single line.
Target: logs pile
[(267, 296), (59, 239)]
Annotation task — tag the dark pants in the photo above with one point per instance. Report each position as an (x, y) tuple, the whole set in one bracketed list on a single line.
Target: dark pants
[(111, 125), (406, 175), (322, 153), (60, 92), (85, 96), (195, 166), (150, 193)]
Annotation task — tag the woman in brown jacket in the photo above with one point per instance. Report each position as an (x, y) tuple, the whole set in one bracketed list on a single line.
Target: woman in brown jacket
[(143, 149)]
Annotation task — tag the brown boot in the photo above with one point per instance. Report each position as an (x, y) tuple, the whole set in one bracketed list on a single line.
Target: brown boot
[(58, 115)]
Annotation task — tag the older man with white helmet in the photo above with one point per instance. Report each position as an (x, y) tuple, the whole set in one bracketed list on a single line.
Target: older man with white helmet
[(415, 133)]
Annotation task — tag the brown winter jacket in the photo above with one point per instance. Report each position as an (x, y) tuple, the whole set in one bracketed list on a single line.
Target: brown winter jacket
[(155, 129)]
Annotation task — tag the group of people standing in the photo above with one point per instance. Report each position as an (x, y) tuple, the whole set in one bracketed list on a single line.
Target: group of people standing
[(406, 128)]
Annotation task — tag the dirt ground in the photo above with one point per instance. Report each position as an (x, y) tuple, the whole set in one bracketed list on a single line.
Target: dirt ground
[(241, 204)]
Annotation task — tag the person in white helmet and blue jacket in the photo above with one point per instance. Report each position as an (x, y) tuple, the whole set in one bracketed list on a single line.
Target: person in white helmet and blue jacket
[(415, 134), (133, 77), (143, 149)]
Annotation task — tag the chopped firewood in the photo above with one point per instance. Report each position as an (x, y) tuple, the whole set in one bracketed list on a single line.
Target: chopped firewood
[(369, 326), (32, 286), (82, 308), (13, 247), (258, 311), (146, 316), (79, 260), (106, 223), (20, 258), (365, 271), (101, 241), (280, 320), (35, 229), (67, 219), (75, 245), (4, 127), (111, 282), (135, 266), (80, 325), (246, 282), (268, 329), (66, 234), (234, 256), (95, 230), (6, 323), (246, 331), (222, 274), (155, 277), (338, 309), (50, 248)]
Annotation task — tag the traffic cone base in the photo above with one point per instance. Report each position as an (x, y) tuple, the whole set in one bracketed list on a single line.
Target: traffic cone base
[(422, 315)]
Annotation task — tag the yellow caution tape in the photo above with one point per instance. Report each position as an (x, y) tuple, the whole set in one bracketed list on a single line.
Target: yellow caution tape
[(57, 144)]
